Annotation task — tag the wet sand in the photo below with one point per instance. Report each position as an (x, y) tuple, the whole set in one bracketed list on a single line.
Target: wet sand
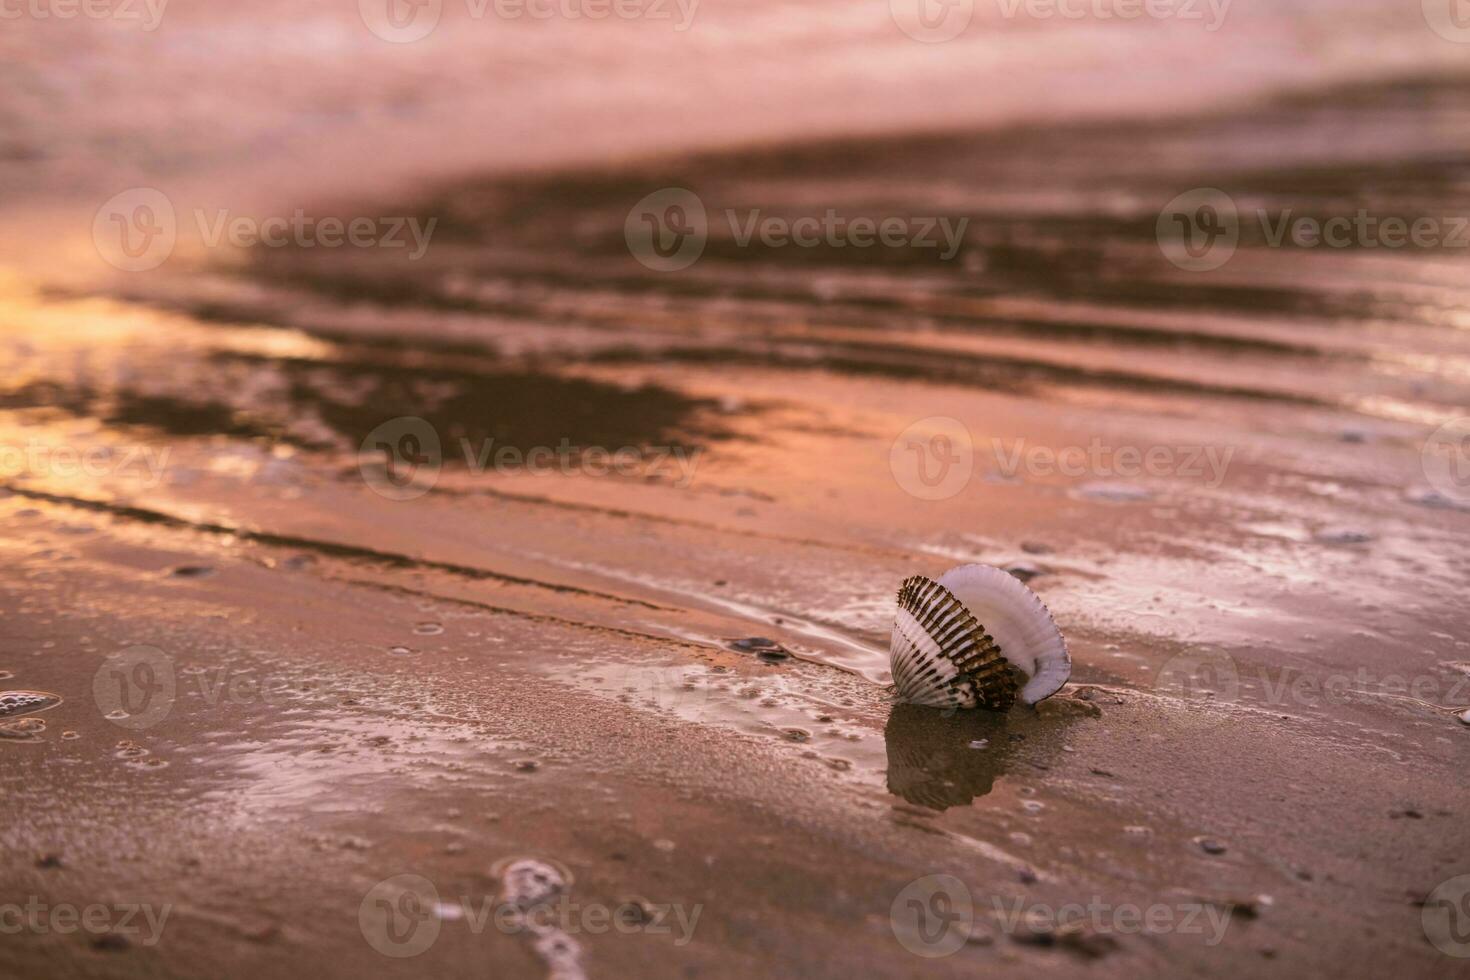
[(540, 664)]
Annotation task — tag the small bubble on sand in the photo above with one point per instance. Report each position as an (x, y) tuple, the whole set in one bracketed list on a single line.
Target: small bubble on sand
[(1343, 535), (1209, 845), (400, 651), (1425, 497), (22, 729), (980, 743), (767, 649), (1118, 493), (1464, 716), (1025, 570), (428, 629)]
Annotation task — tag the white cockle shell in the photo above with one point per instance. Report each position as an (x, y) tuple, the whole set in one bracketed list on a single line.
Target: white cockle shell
[(976, 637)]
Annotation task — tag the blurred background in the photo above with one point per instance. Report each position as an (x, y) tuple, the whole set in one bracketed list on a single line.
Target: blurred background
[(551, 395)]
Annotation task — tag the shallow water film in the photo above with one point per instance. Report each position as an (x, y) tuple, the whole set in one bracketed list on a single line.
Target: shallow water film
[(459, 461)]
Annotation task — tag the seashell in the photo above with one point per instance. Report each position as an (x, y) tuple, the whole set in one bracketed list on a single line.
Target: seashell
[(976, 637)]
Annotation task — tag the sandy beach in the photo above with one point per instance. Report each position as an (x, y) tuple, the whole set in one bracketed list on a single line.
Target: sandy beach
[(510, 594)]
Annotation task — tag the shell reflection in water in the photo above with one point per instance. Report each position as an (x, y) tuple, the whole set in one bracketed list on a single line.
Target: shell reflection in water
[(943, 759)]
